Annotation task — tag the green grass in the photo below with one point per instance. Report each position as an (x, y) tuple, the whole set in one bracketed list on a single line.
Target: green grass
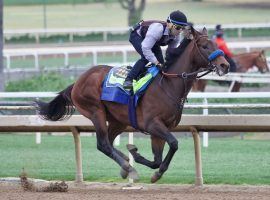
[(225, 161), (48, 2), (112, 15)]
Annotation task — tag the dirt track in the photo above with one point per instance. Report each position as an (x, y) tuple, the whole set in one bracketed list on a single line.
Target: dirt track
[(111, 191)]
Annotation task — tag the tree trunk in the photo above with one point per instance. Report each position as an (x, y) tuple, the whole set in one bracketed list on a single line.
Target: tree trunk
[(2, 79), (134, 13)]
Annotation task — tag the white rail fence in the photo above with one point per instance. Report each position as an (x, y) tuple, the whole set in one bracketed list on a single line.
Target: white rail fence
[(204, 96), (193, 123), (124, 50), (37, 33)]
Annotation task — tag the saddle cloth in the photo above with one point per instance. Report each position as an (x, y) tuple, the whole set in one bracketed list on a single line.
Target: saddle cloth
[(113, 90)]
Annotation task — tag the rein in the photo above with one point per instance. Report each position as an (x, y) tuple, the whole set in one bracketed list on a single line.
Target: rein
[(210, 67), (193, 75)]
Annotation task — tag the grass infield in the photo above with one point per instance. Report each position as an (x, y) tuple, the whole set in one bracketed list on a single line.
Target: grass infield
[(225, 161)]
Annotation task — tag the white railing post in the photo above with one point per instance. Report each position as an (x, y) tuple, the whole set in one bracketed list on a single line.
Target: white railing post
[(205, 134), (239, 32), (71, 37), (131, 160), (7, 62), (37, 38), (66, 59), (38, 138), (36, 61), (105, 36), (124, 52), (94, 57)]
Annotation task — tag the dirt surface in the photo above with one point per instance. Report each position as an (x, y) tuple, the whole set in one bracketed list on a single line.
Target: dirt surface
[(110, 191)]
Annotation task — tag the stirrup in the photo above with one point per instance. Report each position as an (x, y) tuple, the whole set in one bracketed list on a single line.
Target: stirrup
[(127, 84)]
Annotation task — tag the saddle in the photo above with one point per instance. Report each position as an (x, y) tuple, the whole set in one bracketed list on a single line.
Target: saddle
[(113, 90)]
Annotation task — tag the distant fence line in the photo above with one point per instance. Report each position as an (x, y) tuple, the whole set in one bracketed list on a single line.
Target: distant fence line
[(37, 33), (95, 50)]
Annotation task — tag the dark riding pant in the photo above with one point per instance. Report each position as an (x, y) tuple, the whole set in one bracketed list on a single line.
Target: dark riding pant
[(232, 64), (136, 41)]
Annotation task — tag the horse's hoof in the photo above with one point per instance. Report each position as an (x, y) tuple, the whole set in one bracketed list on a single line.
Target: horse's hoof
[(132, 147), (156, 177), (133, 174), (123, 173)]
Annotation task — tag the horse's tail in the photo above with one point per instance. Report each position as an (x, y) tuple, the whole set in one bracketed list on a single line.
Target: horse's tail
[(60, 108)]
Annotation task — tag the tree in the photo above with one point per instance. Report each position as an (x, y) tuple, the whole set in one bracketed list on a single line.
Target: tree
[(2, 79), (134, 12)]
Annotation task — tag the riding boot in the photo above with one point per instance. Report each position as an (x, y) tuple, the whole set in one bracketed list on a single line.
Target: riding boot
[(128, 83), (134, 73)]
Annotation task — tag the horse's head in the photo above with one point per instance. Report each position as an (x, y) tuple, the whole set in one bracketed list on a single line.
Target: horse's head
[(261, 62), (206, 54)]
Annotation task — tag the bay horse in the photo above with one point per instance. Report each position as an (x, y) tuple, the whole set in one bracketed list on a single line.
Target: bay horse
[(244, 62), (158, 111)]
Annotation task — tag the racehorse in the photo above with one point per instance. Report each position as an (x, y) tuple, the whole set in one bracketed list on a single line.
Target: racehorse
[(244, 62), (158, 111)]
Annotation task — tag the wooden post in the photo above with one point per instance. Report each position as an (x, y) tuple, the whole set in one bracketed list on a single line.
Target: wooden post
[(78, 154), (198, 158)]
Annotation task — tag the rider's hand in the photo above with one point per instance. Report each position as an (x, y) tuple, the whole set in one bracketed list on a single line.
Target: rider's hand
[(160, 66)]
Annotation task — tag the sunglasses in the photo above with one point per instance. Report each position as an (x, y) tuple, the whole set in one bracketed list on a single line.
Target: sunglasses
[(177, 27)]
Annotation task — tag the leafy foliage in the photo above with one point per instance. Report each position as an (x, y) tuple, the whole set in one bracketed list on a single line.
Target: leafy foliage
[(43, 83)]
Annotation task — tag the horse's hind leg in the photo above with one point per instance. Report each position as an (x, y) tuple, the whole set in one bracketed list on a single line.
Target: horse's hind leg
[(103, 143), (157, 149), (105, 146), (116, 128)]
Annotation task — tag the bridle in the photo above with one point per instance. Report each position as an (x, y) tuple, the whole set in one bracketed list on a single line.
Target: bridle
[(210, 67), (261, 59)]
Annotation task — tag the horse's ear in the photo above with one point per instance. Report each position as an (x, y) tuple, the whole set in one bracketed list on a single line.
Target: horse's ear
[(189, 32), (262, 52), (204, 31)]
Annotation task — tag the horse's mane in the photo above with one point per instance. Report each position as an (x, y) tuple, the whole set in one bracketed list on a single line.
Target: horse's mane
[(173, 53)]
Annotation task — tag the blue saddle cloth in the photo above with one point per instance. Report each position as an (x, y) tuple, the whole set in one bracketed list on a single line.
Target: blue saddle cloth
[(112, 89)]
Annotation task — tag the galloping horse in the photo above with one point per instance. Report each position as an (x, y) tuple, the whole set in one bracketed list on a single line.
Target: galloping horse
[(244, 62), (158, 111)]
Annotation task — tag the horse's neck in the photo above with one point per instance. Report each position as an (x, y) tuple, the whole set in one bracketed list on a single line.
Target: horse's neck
[(183, 63), (245, 61), (178, 86)]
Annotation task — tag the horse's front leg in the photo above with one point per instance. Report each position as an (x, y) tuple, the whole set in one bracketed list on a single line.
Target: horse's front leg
[(157, 149), (158, 129)]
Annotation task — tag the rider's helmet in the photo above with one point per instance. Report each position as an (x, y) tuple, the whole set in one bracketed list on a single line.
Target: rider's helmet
[(178, 19), (219, 31)]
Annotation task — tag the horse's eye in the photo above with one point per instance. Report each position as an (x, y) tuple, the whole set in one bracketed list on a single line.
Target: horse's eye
[(204, 47)]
